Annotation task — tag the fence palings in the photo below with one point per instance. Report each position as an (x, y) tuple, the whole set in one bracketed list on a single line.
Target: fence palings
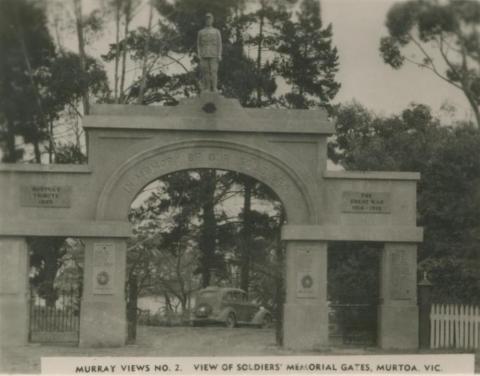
[(455, 326)]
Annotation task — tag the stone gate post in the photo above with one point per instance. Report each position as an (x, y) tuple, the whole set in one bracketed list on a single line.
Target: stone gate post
[(305, 311), (103, 310), (398, 310), (14, 290)]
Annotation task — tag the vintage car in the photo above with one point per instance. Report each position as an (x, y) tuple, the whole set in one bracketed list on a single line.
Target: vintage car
[(229, 306)]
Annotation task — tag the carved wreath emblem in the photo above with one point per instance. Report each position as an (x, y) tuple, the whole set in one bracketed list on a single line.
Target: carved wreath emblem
[(307, 282), (209, 108), (103, 278)]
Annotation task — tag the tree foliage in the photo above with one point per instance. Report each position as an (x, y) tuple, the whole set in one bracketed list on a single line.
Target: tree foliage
[(171, 68), (448, 196), (37, 81), (447, 37), (307, 60), (26, 49)]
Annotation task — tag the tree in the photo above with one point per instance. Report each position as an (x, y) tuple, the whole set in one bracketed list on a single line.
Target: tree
[(46, 259), (448, 199), (81, 52), (446, 34), (37, 83), (449, 205), (307, 61), (26, 48)]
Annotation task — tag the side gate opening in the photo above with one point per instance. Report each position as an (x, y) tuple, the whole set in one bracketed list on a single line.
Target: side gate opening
[(55, 289), (353, 293)]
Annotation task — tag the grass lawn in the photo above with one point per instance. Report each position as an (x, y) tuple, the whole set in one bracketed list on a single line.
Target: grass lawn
[(168, 342)]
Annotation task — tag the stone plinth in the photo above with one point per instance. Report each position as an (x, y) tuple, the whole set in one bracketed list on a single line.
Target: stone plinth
[(398, 326), (305, 311), (103, 315), (398, 311)]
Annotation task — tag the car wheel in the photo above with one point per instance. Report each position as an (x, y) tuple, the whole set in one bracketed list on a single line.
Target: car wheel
[(266, 322), (231, 321)]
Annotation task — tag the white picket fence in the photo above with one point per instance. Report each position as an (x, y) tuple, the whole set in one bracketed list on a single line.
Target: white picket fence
[(454, 326)]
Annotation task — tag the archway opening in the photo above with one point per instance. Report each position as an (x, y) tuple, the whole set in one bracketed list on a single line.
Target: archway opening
[(211, 237)]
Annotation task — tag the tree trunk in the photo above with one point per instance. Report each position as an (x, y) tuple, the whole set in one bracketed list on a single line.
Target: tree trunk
[(209, 226), (259, 54), (185, 311), (81, 54), (246, 235), (118, 4), (50, 143), (168, 308), (36, 151), (279, 296), (128, 8), (146, 48), (132, 308), (10, 155), (474, 106), (51, 268)]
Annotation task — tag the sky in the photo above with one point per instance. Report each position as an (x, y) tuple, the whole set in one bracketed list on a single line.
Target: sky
[(358, 26)]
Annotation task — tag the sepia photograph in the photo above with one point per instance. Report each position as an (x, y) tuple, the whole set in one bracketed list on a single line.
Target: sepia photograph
[(239, 186)]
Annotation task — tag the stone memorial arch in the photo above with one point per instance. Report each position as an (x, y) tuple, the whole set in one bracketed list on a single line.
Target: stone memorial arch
[(129, 146)]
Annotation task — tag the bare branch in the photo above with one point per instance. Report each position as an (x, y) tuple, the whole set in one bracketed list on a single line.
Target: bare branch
[(431, 66)]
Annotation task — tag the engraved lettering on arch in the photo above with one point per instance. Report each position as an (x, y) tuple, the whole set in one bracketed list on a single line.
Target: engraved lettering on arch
[(279, 182), (194, 156), (128, 186), (146, 171), (155, 164), (249, 163), (262, 170), (226, 158)]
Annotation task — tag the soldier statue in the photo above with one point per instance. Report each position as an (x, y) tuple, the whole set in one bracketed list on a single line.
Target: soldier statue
[(209, 49)]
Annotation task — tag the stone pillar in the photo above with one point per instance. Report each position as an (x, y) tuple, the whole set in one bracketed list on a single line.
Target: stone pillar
[(13, 290), (398, 310), (103, 311), (305, 323)]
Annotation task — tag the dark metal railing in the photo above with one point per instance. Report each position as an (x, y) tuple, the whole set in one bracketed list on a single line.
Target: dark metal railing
[(58, 321), (353, 324)]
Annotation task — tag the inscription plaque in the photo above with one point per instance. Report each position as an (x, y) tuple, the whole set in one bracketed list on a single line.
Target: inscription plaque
[(103, 268), (305, 280), (365, 202), (46, 196), (401, 276)]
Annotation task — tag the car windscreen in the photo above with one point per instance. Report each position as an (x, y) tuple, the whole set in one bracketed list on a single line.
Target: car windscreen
[(208, 296)]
